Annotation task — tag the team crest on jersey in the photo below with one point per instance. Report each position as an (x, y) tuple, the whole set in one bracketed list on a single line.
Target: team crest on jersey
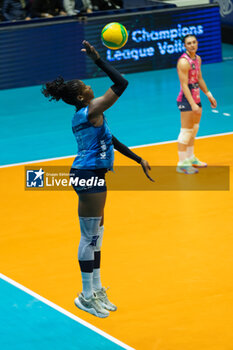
[(193, 66)]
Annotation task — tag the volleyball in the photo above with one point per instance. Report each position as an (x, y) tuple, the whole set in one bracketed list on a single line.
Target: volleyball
[(114, 36)]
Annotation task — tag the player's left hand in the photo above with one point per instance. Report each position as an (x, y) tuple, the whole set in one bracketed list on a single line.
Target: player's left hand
[(146, 167), (213, 102), (90, 50)]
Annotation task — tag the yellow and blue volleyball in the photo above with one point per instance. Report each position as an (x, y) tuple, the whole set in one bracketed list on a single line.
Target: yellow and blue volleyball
[(114, 36)]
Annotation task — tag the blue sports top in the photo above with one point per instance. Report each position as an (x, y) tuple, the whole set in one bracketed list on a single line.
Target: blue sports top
[(95, 148)]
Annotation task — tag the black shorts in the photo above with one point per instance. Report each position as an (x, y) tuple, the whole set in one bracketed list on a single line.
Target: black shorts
[(88, 180), (184, 106)]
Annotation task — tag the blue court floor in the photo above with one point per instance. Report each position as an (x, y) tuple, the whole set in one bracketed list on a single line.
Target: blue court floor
[(30, 324)]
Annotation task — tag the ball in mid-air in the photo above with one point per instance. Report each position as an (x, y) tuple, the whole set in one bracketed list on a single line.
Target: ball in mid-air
[(114, 36)]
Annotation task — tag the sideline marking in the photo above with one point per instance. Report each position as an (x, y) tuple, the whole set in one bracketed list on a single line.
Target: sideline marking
[(131, 147)]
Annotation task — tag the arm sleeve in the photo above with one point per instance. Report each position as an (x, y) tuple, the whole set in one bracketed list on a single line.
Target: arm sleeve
[(120, 83), (125, 150)]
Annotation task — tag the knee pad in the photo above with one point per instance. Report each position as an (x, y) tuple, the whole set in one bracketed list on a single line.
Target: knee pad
[(89, 236), (185, 135), (195, 130), (98, 246)]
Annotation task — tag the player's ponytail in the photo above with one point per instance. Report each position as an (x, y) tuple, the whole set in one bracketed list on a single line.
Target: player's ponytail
[(55, 89), (66, 91)]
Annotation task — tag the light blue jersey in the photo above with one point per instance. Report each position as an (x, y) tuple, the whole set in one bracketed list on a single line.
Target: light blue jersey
[(95, 148)]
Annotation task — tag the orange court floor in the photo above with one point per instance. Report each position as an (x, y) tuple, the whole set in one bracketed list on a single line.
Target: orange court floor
[(167, 255)]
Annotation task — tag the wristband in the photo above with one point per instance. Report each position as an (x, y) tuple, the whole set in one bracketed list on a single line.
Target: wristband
[(209, 95)]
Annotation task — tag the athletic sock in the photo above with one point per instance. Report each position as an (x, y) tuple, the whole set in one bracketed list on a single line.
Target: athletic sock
[(182, 155), (190, 150), (97, 285), (87, 283)]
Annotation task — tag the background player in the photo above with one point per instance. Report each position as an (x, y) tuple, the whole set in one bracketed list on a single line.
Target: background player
[(189, 104), (95, 157)]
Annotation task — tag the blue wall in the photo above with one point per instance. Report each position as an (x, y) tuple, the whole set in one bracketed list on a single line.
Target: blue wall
[(34, 54), (38, 51)]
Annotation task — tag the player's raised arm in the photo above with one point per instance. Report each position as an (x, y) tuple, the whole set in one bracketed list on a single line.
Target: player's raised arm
[(100, 104)]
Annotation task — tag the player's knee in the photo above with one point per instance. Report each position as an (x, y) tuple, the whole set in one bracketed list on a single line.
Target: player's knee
[(100, 239), (89, 237), (185, 136), (85, 250)]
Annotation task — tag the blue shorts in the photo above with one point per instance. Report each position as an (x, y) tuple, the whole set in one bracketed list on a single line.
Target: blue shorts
[(88, 180), (184, 106)]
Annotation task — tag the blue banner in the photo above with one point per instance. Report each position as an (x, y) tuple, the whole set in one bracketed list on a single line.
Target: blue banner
[(39, 51), (155, 39)]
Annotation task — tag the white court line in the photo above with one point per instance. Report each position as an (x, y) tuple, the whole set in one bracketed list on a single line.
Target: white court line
[(132, 147), (65, 312), (174, 141), (36, 161)]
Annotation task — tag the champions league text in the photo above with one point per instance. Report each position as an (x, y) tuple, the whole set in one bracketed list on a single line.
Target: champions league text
[(168, 42)]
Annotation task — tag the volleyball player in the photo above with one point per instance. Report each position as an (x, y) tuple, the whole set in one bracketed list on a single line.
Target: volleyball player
[(189, 104), (95, 157)]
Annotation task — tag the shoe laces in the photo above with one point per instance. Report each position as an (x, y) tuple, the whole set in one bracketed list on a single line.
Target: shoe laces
[(94, 296), (102, 293)]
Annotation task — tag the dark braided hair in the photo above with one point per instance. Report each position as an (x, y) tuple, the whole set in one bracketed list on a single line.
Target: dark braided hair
[(67, 91)]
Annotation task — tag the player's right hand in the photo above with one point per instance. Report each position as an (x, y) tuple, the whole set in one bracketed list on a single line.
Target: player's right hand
[(90, 50)]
